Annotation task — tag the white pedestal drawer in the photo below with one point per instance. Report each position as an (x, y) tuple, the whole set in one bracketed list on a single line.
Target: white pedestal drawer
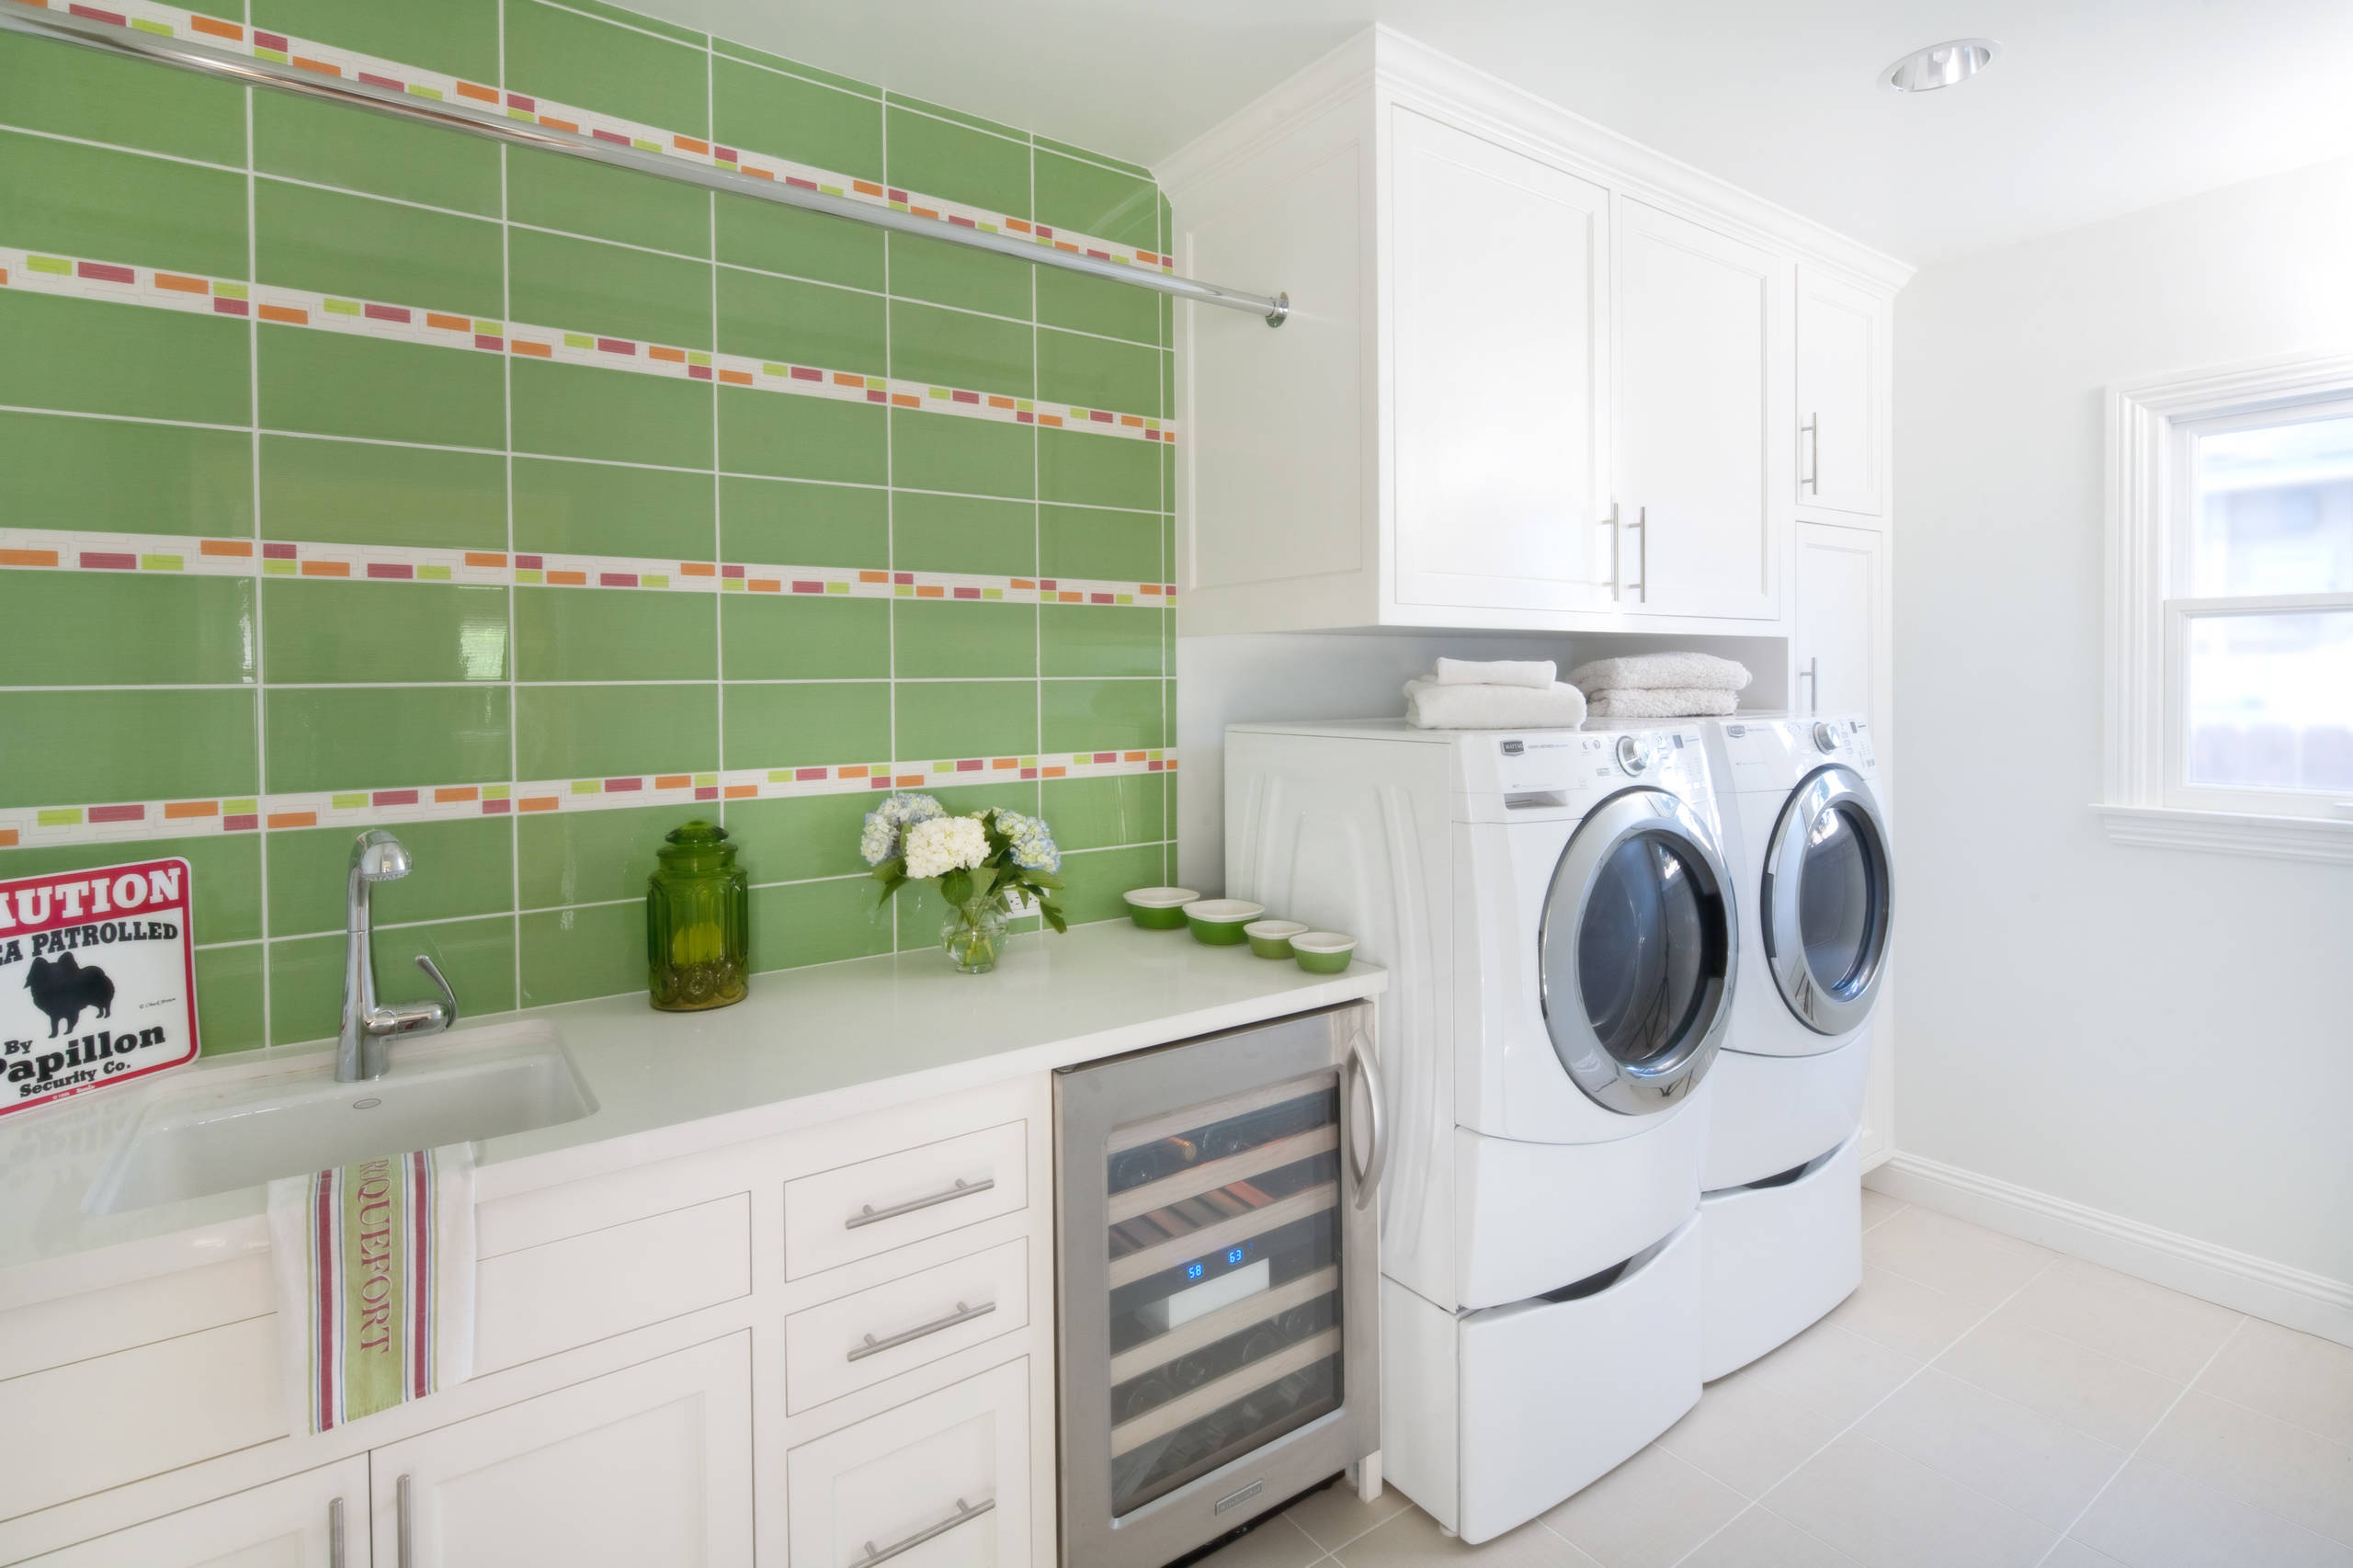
[(838, 1216), (870, 1335)]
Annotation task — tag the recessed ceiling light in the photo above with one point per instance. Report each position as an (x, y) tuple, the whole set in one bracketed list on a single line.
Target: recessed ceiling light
[(1939, 65)]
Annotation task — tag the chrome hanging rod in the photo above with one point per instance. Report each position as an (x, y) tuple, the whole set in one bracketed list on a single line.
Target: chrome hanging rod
[(53, 22)]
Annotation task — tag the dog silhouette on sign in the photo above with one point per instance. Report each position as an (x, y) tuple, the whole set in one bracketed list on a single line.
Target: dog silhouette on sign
[(63, 988)]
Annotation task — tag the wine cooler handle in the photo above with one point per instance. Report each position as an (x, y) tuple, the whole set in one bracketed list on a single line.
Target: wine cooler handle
[(1376, 1152)]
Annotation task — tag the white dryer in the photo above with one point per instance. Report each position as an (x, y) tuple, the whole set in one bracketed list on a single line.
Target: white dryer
[(1558, 921), (1810, 849)]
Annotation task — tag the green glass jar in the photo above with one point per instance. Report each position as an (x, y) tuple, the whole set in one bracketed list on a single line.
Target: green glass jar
[(698, 922)]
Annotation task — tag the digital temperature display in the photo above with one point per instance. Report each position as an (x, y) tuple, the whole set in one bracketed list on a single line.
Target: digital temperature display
[(1224, 1262)]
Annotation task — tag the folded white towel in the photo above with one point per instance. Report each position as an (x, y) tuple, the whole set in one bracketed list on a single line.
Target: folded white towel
[(1538, 673), (1655, 671), (1429, 706), (1663, 703)]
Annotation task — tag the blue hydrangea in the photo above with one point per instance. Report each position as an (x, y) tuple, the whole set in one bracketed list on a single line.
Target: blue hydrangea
[(1033, 842), (884, 837)]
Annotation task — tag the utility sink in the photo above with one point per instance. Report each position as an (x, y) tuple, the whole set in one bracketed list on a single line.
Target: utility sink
[(231, 1128)]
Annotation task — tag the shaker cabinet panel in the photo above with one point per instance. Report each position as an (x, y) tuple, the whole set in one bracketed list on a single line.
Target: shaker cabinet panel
[(1842, 396), (316, 1519), (1834, 650)]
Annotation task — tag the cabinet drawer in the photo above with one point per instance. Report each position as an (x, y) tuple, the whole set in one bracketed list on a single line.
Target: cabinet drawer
[(874, 1333), (852, 1212), (541, 1299), (942, 1481)]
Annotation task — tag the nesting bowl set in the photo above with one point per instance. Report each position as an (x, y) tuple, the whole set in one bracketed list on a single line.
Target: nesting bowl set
[(1231, 921)]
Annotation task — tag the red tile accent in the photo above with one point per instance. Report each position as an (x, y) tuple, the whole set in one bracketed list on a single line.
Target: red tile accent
[(604, 135), (229, 307), (706, 792), (878, 783), (1024, 418), (1029, 773), (617, 345), (384, 82), (94, 14), (117, 813), (394, 798), (898, 195), (277, 552), (970, 765), (903, 577), (496, 808), (517, 100), (621, 785), (617, 579), (489, 340), (1049, 583), (972, 397), (727, 153), (396, 570), (244, 823), (800, 774), (967, 593), (803, 373), (803, 183), (731, 571), (874, 395), (108, 561), (1106, 756), (389, 312), (270, 40), (801, 586), (1098, 598), (702, 373)]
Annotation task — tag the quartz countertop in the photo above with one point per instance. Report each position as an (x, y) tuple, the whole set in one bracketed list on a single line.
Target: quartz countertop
[(807, 1046)]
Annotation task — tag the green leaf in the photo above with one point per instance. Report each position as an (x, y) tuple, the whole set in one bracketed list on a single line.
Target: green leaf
[(890, 885), (892, 871), (982, 880), (956, 886), (1042, 879), (1054, 916)]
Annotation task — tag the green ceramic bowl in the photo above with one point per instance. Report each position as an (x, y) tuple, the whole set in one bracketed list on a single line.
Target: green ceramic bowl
[(1271, 939), (1219, 921), (1159, 909), (1323, 953)]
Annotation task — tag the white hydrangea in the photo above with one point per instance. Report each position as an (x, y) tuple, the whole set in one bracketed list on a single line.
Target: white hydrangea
[(1032, 841), (880, 838), (940, 845)]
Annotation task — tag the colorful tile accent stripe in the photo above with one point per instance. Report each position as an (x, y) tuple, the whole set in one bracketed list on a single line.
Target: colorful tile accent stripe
[(79, 278)]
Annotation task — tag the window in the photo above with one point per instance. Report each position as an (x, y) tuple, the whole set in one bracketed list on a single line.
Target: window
[(2231, 610)]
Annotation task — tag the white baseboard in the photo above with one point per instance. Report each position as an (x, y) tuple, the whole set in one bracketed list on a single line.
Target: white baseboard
[(2311, 1303)]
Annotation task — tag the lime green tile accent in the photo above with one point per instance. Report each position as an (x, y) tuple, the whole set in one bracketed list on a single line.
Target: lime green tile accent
[(949, 275), (757, 110), (1091, 542), (107, 358), (800, 438), (1098, 471), (800, 836), (335, 384), (593, 65), (321, 738), (464, 866), (1093, 814), (108, 205), (589, 856), (339, 145), (68, 747), (798, 637), (229, 999), (961, 533), (460, 37), (225, 872), (342, 243), (1121, 207), (1094, 879), (966, 718), (1102, 715), (959, 637), (581, 732), (569, 954), (830, 723), (1097, 372), (611, 290), (603, 510), (804, 245), (112, 476), (363, 492), (785, 522), (306, 972), (808, 922), (959, 349), (574, 411), (616, 634), (934, 451), (158, 630), (328, 630), (78, 92), (555, 192)]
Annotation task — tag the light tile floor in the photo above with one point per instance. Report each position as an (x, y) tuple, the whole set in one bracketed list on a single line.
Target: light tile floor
[(1979, 1402)]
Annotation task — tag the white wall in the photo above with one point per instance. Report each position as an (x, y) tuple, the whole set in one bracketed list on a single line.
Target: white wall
[(2162, 1035)]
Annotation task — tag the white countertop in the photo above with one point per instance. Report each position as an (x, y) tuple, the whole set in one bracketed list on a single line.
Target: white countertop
[(807, 1046)]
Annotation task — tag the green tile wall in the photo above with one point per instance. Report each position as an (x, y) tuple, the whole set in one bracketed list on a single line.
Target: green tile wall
[(116, 418)]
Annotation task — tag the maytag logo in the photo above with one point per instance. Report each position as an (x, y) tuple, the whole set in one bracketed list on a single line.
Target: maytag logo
[(1514, 748)]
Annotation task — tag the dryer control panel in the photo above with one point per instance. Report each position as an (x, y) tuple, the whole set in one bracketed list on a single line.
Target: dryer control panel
[(1773, 754)]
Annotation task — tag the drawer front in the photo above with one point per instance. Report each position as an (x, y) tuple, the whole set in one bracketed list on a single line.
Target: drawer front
[(308, 1521), (942, 1482), (559, 1295), (861, 1338), (853, 1212)]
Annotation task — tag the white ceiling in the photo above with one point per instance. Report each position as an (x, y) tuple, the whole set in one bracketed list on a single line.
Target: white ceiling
[(2094, 107)]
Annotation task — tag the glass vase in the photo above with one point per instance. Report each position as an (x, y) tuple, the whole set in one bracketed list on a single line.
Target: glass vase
[(974, 934), (698, 922)]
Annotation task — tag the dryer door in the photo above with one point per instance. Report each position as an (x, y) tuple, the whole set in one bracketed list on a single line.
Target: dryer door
[(1826, 900), (1634, 954)]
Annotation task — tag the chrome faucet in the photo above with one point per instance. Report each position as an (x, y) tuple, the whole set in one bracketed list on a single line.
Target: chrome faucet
[(363, 1049)]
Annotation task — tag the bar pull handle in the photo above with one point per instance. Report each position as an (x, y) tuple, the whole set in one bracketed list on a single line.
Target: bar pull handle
[(1810, 677), (335, 1558), (1642, 585), (404, 1525), (1377, 1151), (1616, 566), (963, 1511), (869, 1215), (1813, 430), (963, 1313)]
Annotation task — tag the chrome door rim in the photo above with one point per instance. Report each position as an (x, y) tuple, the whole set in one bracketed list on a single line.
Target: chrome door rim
[(1822, 1010), (1613, 1084)]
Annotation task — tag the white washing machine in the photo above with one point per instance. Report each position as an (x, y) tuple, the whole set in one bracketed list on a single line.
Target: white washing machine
[(1558, 923), (1809, 845)]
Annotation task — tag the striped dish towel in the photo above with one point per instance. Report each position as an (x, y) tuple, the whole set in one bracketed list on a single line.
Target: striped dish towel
[(375, 1266)]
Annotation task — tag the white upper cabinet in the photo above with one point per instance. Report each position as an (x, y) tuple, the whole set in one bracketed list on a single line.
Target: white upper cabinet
[(1843, 353)]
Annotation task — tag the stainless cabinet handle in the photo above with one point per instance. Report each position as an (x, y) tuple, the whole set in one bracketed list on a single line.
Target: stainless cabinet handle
[(963, 1313), (1616, 569), (334, 1533), (1377, 1154), (1642, 585), (963, 1511), (402, 1521), (869, 1215), (1813, 430), (1811, 677)]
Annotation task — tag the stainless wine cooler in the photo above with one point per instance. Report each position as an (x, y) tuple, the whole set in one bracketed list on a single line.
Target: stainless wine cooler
[(1216, 1238)]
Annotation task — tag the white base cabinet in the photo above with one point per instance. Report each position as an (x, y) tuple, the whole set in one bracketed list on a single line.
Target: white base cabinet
[(310, 1520), (1838, 644)]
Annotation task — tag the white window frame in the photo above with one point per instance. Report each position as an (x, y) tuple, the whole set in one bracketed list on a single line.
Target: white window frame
[(2145, 801)]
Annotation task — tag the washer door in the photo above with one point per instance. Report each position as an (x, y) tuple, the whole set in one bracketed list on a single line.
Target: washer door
[(1825, 899), (1634, 954)]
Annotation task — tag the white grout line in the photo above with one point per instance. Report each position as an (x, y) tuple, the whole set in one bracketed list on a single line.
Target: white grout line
[(506, 390), (260, 677)]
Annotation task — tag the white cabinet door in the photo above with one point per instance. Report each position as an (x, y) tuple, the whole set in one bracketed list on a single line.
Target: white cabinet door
[(649, 1467), (1500, 305), (292, 1523), (1702, 358), (1842, 396), (1835, 648), (941, 1482)]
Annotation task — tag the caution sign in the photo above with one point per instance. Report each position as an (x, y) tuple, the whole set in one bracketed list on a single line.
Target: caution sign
[(97, 980)]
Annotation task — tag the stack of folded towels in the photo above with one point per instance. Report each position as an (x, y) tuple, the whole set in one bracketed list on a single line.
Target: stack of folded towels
[(1495, 694), (1660, 686)]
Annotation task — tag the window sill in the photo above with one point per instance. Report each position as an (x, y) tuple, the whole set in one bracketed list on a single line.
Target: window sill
[(2230, 833)]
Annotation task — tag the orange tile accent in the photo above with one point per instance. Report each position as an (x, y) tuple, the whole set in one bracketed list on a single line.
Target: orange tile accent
[(320, 66), (997, 401), (1006, 761), (874, 576), (865, 188), (1132, 421), (480, 94), (191, 809), (1072, 598), (844, 379), (1150, 587), (1131, 756), (690, 144), (179, 285), (766, 585), (569, 579), (216, 28), (7, 835), (909, 780), (923, 212), (856, 771), (27, 558), (455, 793), (736, 378), (536, 350), (3, 277), (1017, 225), (241, 548), (672, 780), (696, 569), (742, 792), (1054, 419), (286, 313), (326, 569), (448, 323), (667, 356), (930, 591), (484, 558), (900, 400), (755, 174), (1023, 583), (1063, 245), (293, 819), (539, 803), (1052, 772), (554, 123)]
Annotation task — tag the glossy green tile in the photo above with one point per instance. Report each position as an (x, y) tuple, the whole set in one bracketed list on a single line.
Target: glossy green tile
[(805, 245), (556, 281), (553, 190), (335, 144), (955, 349), (962, 799), (921, 912), (574, 411), (130, 103), (328, 738), (755, 110), (114, 477), (959, 638), (1097, 304), (808, 922), (970, 457), (800, 726), (605, 732), (229, 999), (1096, 201), (582, 508), (589, 857), (161, 628), (800, 438), (460, 37), (384, 252), (633, 18), (339, 384), (323, 629), (331, 492), (1098, 640), (997, 128), (952, 719), (1089, 154), (731, 50), (801, 837), (224, 875), (591, 65), (1098, 372), (68, 748), (1099, 470), (306, 973), (968, 279), (963, 533), (107, 358), (459, 866), (1094, 879), (1090, 542), (615, 634), (1102, 715), (805, 637), (101, 204), (930, 156), (801, 324), (1091, 813), (1168, 382), (568, 954), (782, 522)]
